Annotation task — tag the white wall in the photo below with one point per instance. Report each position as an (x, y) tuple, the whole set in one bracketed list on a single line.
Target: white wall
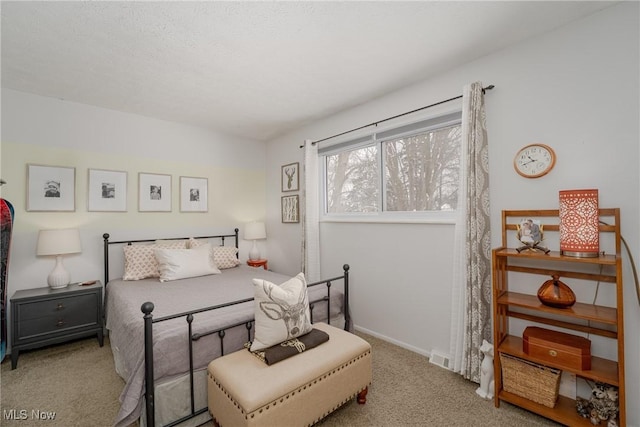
[(53, 132), (575, 89)]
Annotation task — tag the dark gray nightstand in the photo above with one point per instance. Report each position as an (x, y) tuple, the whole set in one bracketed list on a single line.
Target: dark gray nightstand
[(45, 316)]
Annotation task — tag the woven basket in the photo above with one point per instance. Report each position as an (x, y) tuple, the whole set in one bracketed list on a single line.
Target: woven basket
[(530, 380)]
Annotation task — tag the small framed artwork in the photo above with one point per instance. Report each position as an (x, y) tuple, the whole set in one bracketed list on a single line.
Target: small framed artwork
[(51, 188), (193, 194), (154, 192), (290, 209), (107, 191), (290, 177), (530, 231)]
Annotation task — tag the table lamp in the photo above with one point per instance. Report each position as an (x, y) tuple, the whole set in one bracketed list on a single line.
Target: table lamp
[(58, 243), (254, 231), (579, 223)]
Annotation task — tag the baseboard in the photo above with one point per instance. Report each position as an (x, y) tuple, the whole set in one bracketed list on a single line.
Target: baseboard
[(393, 341)]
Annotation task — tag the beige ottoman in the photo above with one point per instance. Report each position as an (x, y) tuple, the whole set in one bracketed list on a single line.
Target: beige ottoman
[(298, 391)]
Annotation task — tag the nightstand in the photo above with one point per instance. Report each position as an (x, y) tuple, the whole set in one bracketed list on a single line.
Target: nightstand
[(258, 263), (45, 316)]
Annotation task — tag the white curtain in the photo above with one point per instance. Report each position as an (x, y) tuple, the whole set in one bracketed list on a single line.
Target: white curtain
[(310, 214), (471, 292)]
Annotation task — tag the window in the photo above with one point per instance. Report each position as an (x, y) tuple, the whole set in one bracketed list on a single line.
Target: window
[(352, 180), (409, 169)]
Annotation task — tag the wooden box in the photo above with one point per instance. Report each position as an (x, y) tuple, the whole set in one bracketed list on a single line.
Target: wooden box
[(558, 348)]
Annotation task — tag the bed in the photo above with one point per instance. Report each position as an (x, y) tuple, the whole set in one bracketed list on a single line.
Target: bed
[(166, 333)]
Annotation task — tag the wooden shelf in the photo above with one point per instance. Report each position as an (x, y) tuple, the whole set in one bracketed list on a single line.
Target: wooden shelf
[(588, 329), (555, 256), (603, 370), (588, 318), (563, 273), (564, 412), (594, 313)]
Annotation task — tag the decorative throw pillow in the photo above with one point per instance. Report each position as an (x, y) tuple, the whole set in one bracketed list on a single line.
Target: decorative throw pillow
[(140, 261), (281, 311), (194, 243), (223, 256), (174, 264)]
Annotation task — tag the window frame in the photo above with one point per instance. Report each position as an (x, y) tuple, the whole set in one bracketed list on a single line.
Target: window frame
[(389, 133)]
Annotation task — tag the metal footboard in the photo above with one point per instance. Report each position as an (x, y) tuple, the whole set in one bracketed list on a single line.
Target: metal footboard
[(147, 309)]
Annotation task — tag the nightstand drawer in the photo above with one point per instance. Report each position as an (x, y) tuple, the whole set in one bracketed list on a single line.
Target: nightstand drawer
[(62, 320), (56, 307)]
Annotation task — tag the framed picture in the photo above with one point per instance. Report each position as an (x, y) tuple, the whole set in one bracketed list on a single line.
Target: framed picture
[(290, 209), (51, 188), (154, 192), (289, 177), (193, 194), (530, 231), (107, 191)]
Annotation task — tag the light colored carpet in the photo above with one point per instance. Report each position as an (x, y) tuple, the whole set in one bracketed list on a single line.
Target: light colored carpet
[(78, 382)]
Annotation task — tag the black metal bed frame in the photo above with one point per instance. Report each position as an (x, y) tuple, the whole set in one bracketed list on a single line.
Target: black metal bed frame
[(147, 309)]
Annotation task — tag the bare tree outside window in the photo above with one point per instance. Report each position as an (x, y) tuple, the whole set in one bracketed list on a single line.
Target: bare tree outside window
[(413, 172), (352, 181), (422, 171)]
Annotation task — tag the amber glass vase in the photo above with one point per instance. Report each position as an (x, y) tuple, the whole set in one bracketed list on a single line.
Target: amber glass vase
[(554, 293)]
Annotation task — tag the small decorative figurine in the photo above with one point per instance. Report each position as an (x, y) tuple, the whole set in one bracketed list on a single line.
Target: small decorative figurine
[(602, 406), (582, 407), (486, 388), (530, 234)]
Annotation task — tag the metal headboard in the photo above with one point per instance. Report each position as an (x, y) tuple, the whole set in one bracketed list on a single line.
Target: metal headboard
[(105, 237)]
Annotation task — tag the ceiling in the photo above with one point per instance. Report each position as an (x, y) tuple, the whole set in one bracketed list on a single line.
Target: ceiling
[(253, 69)]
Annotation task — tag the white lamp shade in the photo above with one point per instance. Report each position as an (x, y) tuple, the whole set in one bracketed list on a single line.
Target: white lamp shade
[(59, 242), (254, 231)]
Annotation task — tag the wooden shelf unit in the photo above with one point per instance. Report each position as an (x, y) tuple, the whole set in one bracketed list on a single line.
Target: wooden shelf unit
[(583, 317)]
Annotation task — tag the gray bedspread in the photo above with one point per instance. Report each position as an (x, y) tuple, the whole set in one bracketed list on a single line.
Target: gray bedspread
[(126, 326)]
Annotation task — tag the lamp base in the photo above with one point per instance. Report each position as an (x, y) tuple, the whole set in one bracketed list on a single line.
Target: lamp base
[(254, 253), (580, 254), (59, 277)]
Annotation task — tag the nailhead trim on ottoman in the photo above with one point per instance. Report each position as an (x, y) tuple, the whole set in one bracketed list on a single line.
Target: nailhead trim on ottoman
[(298, 391)]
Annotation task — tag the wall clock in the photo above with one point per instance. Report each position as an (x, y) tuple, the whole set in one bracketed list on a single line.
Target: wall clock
[(534, 160)]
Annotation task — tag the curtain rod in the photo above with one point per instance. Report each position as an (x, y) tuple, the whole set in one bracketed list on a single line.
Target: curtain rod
[(395, 117)]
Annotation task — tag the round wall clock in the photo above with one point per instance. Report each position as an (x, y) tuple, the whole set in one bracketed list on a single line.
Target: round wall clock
[(534, 160)]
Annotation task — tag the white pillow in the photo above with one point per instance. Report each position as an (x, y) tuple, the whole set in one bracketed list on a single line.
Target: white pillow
[(281, 312), (140, 261), (174, 264)]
